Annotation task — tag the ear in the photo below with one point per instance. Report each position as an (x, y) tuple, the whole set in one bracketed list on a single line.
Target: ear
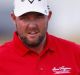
[(13, 16), (50, 14)]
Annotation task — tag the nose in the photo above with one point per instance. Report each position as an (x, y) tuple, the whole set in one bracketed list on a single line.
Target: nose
[(32, 25), (32, 21)]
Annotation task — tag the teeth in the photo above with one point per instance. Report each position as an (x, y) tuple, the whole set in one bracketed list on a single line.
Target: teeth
[(32, 32)]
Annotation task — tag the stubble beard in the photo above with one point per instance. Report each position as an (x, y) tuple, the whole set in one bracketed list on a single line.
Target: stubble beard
[(35, 44)]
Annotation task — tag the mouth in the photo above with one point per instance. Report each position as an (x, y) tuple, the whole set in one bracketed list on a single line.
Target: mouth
[(32, 32)]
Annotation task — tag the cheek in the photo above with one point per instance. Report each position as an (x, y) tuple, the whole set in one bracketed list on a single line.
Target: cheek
[(20, 26), (43, 26)]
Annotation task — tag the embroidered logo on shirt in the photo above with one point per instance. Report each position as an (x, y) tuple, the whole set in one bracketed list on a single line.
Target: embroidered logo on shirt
[(61, 70)]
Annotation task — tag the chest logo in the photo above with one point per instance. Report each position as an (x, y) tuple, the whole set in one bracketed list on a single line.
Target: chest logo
[(61, 70)]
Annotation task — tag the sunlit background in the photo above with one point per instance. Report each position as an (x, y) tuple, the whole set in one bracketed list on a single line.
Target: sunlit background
[(64, 23)]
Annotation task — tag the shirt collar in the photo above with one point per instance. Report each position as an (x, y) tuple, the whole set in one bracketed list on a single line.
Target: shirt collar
[(22, 49), (50, 44)]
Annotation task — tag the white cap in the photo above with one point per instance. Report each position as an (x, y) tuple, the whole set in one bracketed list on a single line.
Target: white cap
[(24, 6)]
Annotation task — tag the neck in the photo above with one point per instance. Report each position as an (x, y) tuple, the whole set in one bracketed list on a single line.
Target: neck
[(40, 47)]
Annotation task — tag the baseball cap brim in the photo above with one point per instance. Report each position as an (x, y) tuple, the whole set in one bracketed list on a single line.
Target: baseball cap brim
[(19, 12), (21, 8)]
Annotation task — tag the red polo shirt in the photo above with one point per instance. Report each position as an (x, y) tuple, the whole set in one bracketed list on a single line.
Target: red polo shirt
[(60, 57)]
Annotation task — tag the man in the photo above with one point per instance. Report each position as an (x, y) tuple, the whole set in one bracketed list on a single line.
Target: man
[(33, 51)]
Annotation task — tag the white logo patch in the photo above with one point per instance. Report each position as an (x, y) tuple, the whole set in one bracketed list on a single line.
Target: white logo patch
[(61, 70)]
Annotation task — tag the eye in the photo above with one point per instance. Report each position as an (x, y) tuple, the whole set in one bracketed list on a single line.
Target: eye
[(40, 15), (24, 18)]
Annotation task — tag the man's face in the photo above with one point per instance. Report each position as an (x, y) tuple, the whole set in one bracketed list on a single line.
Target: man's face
[(31, 28)]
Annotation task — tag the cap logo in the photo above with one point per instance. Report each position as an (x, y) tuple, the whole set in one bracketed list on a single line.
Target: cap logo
[(31, 1), (22, 0)]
